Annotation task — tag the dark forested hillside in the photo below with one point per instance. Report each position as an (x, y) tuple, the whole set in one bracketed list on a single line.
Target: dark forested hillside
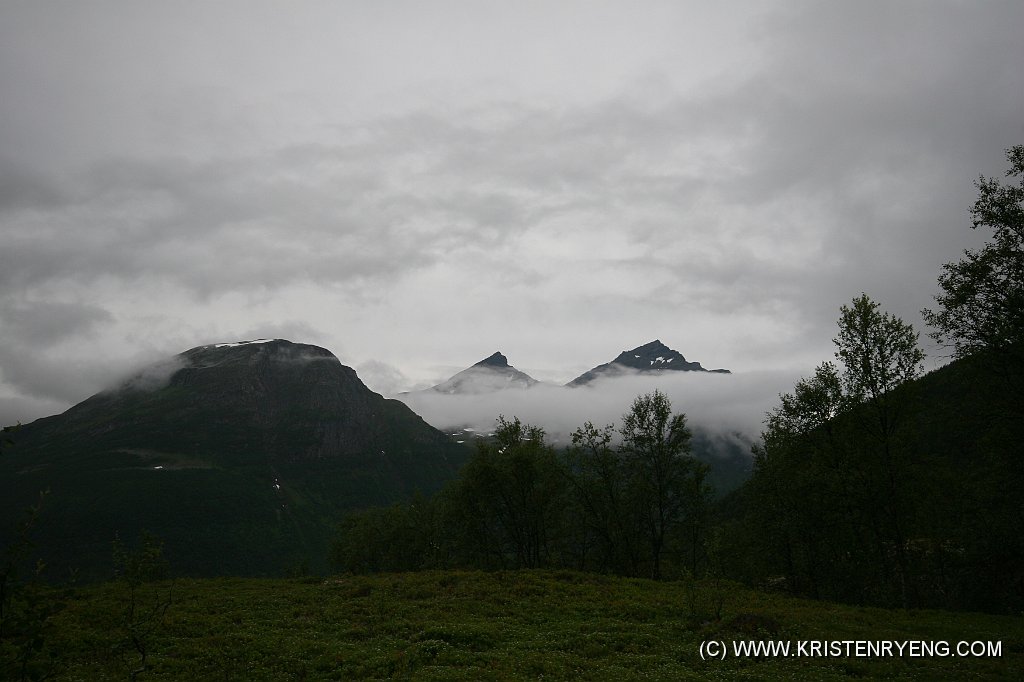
[(816, 516), (240, 457)]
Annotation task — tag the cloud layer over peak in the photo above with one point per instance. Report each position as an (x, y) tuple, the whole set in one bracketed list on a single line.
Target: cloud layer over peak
[(413, 186)]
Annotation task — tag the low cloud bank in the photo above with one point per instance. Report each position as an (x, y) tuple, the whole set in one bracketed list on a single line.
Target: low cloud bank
[(722, 405), (153, 376)]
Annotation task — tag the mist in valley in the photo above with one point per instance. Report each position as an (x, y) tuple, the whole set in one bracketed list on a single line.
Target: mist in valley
[(725, 406)]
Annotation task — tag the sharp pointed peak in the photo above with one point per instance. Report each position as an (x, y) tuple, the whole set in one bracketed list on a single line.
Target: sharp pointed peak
[(655, 345), (494, 360), (648, 351)]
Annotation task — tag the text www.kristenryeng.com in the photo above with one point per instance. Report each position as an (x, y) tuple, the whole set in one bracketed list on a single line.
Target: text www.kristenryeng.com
[(848, 648)]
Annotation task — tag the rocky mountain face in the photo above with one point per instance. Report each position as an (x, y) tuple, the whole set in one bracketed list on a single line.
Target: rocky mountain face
[(653, 357), (239, 456), (493, 373)]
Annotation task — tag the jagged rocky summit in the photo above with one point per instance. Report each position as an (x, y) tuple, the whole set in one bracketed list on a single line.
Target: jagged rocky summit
[(653, 357)]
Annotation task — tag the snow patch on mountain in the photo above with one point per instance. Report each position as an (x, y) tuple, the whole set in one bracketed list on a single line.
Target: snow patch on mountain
[(242, 343)]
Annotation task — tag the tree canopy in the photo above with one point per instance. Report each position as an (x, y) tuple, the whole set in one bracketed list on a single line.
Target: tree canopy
[(830, 475), (981, 307)]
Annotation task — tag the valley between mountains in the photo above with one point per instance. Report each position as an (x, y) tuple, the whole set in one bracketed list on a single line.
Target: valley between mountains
[(242, 457)]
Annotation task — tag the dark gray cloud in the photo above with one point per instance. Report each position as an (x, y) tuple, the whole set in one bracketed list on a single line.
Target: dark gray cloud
[(22, 187), (414, 189), (24, 409), (36, 334), (44, 323)]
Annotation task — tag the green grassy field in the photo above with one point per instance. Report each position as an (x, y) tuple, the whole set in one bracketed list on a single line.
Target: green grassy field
[(505, 625)]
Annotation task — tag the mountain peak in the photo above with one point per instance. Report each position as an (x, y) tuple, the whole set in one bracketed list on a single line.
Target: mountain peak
[(493, 373), (209, 449), (247, 343), (652, 357), (256, 351), (495, 360), (655, 346)]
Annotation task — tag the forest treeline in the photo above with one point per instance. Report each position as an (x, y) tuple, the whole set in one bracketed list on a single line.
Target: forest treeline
[(871, 483), (631, 501)]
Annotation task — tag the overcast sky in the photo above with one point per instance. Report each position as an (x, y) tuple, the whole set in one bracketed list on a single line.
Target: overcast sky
[(414, 185)]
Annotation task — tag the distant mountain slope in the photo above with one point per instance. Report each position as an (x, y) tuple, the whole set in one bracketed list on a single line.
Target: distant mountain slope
[(493, 373), (239, 456), (651, 357)]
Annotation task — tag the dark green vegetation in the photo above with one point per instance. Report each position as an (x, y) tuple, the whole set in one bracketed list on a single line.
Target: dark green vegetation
[(496, 626), (916, 501), (636, 507), (726, 456), (239, 458), (981, 307)]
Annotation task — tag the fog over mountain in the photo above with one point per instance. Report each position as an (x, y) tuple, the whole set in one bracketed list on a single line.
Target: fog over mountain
[(722, 404), (417, 184), (493, 373), (470, 402)]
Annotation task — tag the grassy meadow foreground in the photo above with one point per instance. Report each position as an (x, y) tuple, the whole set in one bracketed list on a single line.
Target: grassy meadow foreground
[(497, 625)]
